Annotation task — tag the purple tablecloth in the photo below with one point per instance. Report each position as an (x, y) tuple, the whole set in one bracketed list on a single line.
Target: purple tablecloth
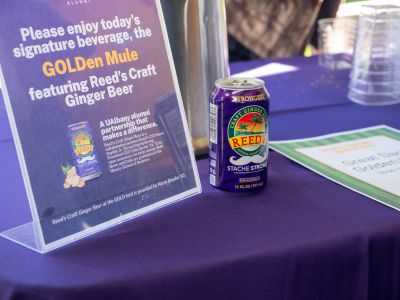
[(298, 82), (304, 237)]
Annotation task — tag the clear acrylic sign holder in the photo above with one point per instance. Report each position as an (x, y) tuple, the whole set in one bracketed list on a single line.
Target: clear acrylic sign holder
[(125, 202)]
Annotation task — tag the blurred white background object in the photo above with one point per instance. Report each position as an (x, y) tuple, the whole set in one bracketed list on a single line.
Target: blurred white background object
[(336, 39), (354, 8), (375, 76)]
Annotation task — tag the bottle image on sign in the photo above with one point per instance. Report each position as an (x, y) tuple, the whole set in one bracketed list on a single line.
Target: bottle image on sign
[(83, 151), (239, 110)]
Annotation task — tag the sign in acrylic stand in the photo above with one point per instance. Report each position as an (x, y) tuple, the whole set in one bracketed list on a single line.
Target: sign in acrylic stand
[(96, 114)]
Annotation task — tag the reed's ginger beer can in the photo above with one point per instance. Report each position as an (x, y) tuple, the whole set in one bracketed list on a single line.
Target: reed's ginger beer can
[(239, 110), (83, 151)]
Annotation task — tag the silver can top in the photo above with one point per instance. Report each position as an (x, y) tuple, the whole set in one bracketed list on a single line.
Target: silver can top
[(239, 83)]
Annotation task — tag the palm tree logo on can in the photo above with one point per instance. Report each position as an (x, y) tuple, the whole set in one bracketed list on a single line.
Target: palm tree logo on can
[(247, 131)]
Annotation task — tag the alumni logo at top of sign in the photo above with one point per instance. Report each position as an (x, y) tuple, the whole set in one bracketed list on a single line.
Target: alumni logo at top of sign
[(77, 2)]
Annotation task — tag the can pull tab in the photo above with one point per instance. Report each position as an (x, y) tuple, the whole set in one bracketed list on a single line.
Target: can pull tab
[(240, 82)]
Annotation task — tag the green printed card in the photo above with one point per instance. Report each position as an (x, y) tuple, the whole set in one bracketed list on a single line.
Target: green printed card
[(366, 160)]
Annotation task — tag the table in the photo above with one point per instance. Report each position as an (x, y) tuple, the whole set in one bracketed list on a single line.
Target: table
[(303, 237)]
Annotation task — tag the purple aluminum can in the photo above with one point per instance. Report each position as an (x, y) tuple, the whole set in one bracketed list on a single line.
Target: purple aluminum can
[(239, 113), (83, 152)]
